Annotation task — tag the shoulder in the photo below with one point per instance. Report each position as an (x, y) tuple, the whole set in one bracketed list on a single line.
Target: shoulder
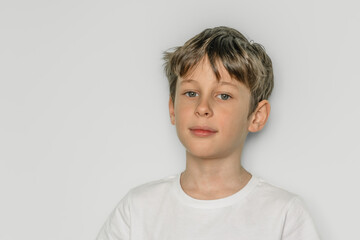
[(287, 206), (271, 198), (269, 193), (153, 186), (151, 191)]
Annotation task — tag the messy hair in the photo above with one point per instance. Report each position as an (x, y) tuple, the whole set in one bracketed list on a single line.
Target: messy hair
[(245, 61)]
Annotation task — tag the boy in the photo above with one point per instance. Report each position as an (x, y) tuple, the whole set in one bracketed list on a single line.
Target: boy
[(219, 86)]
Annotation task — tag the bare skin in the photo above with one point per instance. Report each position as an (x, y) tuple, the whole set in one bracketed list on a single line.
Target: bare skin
[(213, 163), (214, 186)]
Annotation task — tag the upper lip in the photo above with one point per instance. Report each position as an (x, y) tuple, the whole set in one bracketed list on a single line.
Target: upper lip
[(203, 128)]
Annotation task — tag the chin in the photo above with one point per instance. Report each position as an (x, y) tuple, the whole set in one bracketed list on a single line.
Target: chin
[(202, 152), (199, 147), (205, 156)]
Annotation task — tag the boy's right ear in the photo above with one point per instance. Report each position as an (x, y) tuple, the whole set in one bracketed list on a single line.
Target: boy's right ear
[(171, 111)]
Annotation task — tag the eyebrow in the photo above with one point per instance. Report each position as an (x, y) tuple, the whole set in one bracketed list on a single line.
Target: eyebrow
[(228, 83), (187, 81), (221, 83)]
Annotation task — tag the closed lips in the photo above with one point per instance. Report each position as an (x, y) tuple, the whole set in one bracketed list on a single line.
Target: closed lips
[(203, 129)]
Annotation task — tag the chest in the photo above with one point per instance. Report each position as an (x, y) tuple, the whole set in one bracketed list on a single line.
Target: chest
[(230, 223)]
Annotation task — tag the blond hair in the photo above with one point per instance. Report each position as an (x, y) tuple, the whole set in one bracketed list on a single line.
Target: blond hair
[(245, 61)]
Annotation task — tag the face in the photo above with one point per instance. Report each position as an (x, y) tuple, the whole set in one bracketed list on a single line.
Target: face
[(203, 102)]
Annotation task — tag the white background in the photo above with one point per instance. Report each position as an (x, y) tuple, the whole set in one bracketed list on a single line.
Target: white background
[(84, 107)]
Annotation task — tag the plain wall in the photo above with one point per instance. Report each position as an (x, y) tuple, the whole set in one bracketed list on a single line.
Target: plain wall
[(84, 107)]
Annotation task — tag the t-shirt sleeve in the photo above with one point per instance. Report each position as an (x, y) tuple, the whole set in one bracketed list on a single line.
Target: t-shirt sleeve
[(117, 226), (298, 223)]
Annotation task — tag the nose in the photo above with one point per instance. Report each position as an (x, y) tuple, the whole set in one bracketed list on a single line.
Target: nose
[(203, 108)]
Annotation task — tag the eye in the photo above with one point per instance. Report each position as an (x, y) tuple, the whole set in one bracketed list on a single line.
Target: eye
[(190, 94), (224, 96)]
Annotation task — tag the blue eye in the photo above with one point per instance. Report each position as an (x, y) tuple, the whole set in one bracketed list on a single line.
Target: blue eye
[(190, 94), (226, 96), (194, 94)]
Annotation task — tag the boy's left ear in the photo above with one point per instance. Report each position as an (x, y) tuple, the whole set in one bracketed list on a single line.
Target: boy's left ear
[(259, 117)]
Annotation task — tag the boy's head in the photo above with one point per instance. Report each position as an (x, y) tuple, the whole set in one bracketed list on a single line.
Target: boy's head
[(245, 61), (219, 83)]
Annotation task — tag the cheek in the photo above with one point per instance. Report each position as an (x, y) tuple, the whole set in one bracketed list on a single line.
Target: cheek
[(236, 122), (182, 112)]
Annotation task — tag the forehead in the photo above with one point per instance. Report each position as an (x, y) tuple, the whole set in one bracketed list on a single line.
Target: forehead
[(234, 84), (203, 69)]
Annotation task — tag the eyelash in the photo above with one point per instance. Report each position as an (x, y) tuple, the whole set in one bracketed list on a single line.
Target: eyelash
[(219, 94)]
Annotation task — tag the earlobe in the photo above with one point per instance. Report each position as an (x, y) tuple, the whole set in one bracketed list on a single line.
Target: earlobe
[(260, 116), (171, 111)]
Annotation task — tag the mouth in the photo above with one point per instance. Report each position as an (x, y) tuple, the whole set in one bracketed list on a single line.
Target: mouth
[(202, 131)]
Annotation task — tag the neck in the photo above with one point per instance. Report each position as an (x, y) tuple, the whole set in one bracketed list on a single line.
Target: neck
[(213, 178)]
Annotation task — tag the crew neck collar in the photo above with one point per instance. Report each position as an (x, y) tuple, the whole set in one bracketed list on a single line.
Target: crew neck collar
[(215, 203)]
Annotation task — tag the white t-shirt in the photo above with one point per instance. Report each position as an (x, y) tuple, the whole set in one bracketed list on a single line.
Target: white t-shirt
[(161, 210)]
